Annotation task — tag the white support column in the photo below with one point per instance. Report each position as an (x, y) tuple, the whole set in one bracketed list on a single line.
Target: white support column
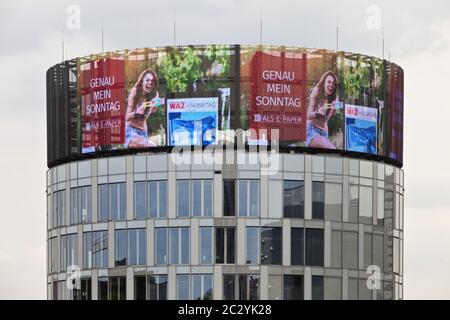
[(94, 284), (130, 284), (150, 242), (286, 242), (307, 280), (327, 244), (171, 283), (218, 283), (264, 283)]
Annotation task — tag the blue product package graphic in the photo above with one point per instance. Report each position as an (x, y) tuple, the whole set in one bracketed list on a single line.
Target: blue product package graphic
[(193, 132), (361, 137)]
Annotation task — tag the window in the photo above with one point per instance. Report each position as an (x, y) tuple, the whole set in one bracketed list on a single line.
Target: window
[(248, 198), (350, 250), (84, 204), (241, 287), (225, 245), (102, 288), (365, 205), (252, 245), (195, 287), (380, 207), (271, 246), (353, 204), (179, 246), (59, 208), (69, 251), (100, 249), (183, 192), (139, 287), (157, 287), (53, 254), (318, 199), (157, 195), (202, 198), (121, 248), (294, 199), (378, 249), (202, 287), (317, 287), (368, 250), (140, 200), (87, 250), (80, 205), (206, 245), (161, 246), (333, 201), (103, 205), (336, 249), (112, 201), (293, 287), (118, 205), (85, 291), (229, 198), (137, 254), (183, 287), (117, 288), (297, 246), (314, 250)]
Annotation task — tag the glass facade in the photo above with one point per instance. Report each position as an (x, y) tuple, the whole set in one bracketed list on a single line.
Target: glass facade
[(329, 215)]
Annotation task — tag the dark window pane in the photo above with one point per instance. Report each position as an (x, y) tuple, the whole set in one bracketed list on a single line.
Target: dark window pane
[(220, 245), (162, 287), (293, 287), (314, 247), (294, 199), (243, 287), (231, 245), (317, 288), (103, 288), (271, 246), (229, 198), (86, 289), (253, 283), (139, 287), (161, 245), (152, 287), (297, 246), (229, 287), (318, 198), (252, 245)]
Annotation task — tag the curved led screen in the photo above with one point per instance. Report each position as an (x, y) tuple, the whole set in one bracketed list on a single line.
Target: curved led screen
[(150, 98)]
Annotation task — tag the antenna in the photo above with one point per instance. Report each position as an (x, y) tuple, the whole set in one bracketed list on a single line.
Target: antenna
[(261, 26), (174, 27), (389, 51), (102, 37), (337, 32), (62, 45)]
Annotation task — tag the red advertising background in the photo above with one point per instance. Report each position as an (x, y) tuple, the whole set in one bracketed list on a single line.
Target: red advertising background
[(102, 88), (278, 94), (395, 112)]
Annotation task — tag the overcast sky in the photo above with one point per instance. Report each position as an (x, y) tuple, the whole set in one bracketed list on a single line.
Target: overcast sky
[(417, 33)]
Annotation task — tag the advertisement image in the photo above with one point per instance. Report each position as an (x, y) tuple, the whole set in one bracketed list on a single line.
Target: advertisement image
[(192, 121), (325, 110), (101, 91), (277, 99), (361, 129), (145, 113)]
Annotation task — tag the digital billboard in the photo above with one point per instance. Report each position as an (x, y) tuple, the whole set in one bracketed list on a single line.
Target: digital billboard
[(185, 96)]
